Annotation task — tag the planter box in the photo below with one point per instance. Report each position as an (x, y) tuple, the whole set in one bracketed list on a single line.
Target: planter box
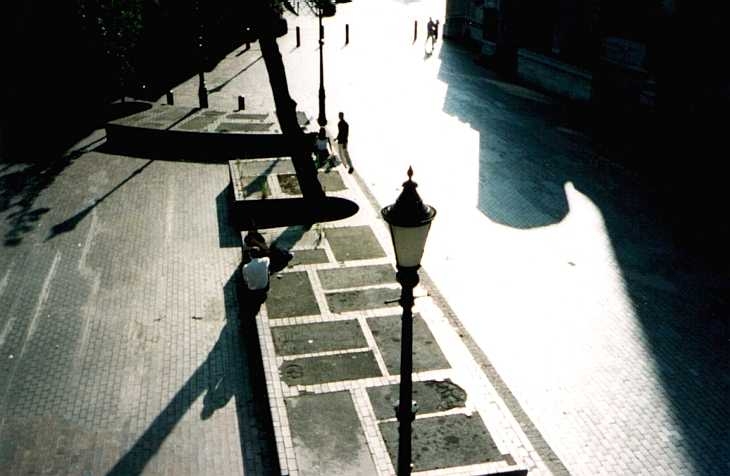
[(266, 195)]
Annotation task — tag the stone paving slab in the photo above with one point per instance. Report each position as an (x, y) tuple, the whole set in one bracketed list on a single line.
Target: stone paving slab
[(426, 352), (327, 437), (238, 127), (291, 295), (362, 299), (318, 337), (309, 257), (158, 117), (329, 368), (219, 121), (358, 276), (445, 441), (432, 396), (331, 182), (354, 243)]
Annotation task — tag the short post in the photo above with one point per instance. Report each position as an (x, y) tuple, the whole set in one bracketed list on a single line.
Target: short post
[(241, 103), (299, 41), (170, 98), (415, 30), (202, 91), (248, 35), (347, 33)]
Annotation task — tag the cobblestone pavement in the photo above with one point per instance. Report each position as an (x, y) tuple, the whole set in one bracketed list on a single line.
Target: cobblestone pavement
[(119, 343), (612, 340)]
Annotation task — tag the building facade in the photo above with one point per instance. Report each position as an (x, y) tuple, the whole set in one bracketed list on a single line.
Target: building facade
[(630, 53)]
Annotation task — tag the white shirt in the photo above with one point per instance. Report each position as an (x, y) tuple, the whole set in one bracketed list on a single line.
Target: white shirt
[(256, 273)]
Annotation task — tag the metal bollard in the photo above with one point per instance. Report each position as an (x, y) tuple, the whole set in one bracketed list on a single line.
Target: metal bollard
[(299, 42), (415, 30), (347, 33), (170, 98), (241, 103), (202, 91)]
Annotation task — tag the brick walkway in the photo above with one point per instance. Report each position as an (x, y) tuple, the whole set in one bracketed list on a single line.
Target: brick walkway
[(118, 340)]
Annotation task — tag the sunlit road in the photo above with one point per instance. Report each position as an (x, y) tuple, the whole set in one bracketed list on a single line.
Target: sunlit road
[(548, 253)]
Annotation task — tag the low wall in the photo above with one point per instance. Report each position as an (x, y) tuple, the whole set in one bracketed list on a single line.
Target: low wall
[(554, 76)]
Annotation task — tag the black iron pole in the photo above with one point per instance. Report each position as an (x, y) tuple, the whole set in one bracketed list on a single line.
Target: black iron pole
[(202, 90), (408, 279), (322, 118)]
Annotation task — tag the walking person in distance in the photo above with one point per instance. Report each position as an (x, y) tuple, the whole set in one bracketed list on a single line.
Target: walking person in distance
[(343, 132)]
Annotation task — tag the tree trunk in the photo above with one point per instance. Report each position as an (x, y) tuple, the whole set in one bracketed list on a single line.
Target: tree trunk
[(285, 105)]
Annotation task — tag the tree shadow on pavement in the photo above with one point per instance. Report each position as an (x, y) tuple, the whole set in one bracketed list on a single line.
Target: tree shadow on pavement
[(35, 162), (225, 83), (225, 375), (70, 223), (22, 183), (529, 152)]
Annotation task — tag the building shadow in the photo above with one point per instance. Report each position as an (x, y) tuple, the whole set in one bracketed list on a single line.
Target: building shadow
[(531, 151)]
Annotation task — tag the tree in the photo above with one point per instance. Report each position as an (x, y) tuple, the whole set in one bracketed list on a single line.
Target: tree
[(269, 23), (113, 30)]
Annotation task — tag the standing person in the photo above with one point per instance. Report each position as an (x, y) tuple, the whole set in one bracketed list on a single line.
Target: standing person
[(435, 31), (343, 132), (429, 29), (322, 147)]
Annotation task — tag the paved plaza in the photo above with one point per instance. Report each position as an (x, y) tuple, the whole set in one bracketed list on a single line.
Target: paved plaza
[(596, 343)]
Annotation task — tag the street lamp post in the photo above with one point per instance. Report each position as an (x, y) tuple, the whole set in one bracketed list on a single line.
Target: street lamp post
[(202, 90), (409, 220), (322, 118)]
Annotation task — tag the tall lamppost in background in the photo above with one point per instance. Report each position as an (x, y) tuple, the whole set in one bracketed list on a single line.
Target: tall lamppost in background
[(202, 91), (325, 8), (409, 220)]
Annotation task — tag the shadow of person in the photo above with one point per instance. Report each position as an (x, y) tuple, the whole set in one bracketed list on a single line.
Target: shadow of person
[(216, 397), (70, 223), (220, 379)]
